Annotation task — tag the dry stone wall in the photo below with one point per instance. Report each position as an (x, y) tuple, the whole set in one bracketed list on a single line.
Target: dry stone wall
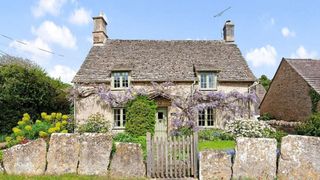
[(256, 158), (26, 159)]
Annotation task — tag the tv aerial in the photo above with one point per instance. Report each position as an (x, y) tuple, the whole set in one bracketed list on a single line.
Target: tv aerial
[(220, 13)]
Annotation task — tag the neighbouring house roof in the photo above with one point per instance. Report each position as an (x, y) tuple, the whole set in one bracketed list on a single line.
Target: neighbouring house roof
[(158, 60), (308, 69)]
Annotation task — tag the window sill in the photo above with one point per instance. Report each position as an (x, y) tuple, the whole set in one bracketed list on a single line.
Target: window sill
[(119, 89), (208, 89), (118, 128)]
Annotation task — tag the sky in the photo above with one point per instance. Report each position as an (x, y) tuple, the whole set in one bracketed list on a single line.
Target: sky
[(265, 30)]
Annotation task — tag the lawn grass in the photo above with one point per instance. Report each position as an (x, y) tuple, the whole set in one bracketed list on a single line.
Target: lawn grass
[(216, 145), (62, 177)]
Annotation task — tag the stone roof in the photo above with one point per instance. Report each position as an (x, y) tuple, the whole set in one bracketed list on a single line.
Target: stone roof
[(309, 69), (158, 60)]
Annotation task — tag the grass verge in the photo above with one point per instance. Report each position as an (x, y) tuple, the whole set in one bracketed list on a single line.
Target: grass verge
[(217, 145)]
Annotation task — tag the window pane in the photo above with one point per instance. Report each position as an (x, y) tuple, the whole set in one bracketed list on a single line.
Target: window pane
[(210, 117), (203, 81), (117, 117), (116, 82), (125, 81), (210, 79), (123, 117), (201, 118)]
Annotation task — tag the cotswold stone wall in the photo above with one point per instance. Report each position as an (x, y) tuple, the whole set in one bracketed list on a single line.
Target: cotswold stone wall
[(256, 158), (85, 154)]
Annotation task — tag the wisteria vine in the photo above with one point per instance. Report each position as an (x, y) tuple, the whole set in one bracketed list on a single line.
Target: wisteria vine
[(233, 104)]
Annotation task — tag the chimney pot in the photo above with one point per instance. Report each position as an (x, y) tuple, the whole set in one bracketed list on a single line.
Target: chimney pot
[(228, 31), (99, 33)]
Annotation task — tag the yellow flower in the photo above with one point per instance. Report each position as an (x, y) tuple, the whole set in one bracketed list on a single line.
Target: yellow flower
[(43, 115), (58, 124), (21, 123), (58, 116), (47, 118), (43, 134), (28, 128), (65, 117), (64, 131), (38, 121), (16, 131), (51, 130), (64, 123), (8, 139), (20, 138), (57, 129), (53, 115), (26, 119), (26, 115)]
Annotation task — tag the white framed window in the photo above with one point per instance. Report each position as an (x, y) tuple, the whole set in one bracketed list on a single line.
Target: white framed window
[(206, 117), (120, 80), (119, 117), (207, 81)]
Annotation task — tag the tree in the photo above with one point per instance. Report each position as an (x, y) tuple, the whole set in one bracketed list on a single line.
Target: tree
[(265, 81), (26, 88)]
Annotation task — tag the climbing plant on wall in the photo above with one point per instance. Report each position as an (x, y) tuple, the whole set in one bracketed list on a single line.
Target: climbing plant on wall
[(315, 98)]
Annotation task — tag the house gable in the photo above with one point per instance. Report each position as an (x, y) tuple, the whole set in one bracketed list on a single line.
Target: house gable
[(288, 96)]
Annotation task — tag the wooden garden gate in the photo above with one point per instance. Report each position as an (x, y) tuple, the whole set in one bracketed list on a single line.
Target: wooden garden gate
[(172, 157)]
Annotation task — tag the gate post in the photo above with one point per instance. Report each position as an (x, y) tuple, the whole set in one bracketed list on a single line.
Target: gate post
[(149, 155), (195, 153)]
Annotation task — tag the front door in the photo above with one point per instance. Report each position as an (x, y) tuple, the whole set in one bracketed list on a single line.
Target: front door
[(161, 122)]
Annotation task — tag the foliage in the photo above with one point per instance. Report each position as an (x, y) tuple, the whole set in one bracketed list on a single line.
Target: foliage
[(27, 88), (249, 128), (140, 116), (42, 128), (311, 127), (278, 135), (216, 145), (95, 123), (125, 137), (214, 135), (266, 117), (315, 98), (1, 156), (265, 81)]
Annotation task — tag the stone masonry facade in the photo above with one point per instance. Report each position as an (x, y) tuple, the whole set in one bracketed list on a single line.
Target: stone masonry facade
[(288, 97)]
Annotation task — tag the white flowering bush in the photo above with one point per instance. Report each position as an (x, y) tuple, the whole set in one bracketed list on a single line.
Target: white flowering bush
[(249, 128)]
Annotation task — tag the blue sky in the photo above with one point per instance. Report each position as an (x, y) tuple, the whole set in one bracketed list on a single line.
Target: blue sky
[(265, 31)]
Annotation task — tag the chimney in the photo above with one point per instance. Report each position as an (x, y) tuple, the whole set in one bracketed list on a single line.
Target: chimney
[(99, 33), (228, 31)]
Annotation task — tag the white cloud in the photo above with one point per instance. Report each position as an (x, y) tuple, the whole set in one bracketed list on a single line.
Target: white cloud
[(49, 32), (44, 7), (262, 56), (63, 72), (301, 52), (31, 48), (286, 32), (80, 16)]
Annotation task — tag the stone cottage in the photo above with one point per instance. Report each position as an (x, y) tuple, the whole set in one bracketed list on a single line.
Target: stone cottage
[(288, 97), (206, 65)]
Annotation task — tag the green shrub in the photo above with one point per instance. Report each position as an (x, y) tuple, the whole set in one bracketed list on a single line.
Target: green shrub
[(1, 156), (278, 135), (96, 123), (214, 135), (28, 130), (311, 127), (125, 137), (27, 88), (140, 116), (266, 117)]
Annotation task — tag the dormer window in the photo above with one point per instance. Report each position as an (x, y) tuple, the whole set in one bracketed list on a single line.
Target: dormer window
[(120, 80), (207, 81)]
